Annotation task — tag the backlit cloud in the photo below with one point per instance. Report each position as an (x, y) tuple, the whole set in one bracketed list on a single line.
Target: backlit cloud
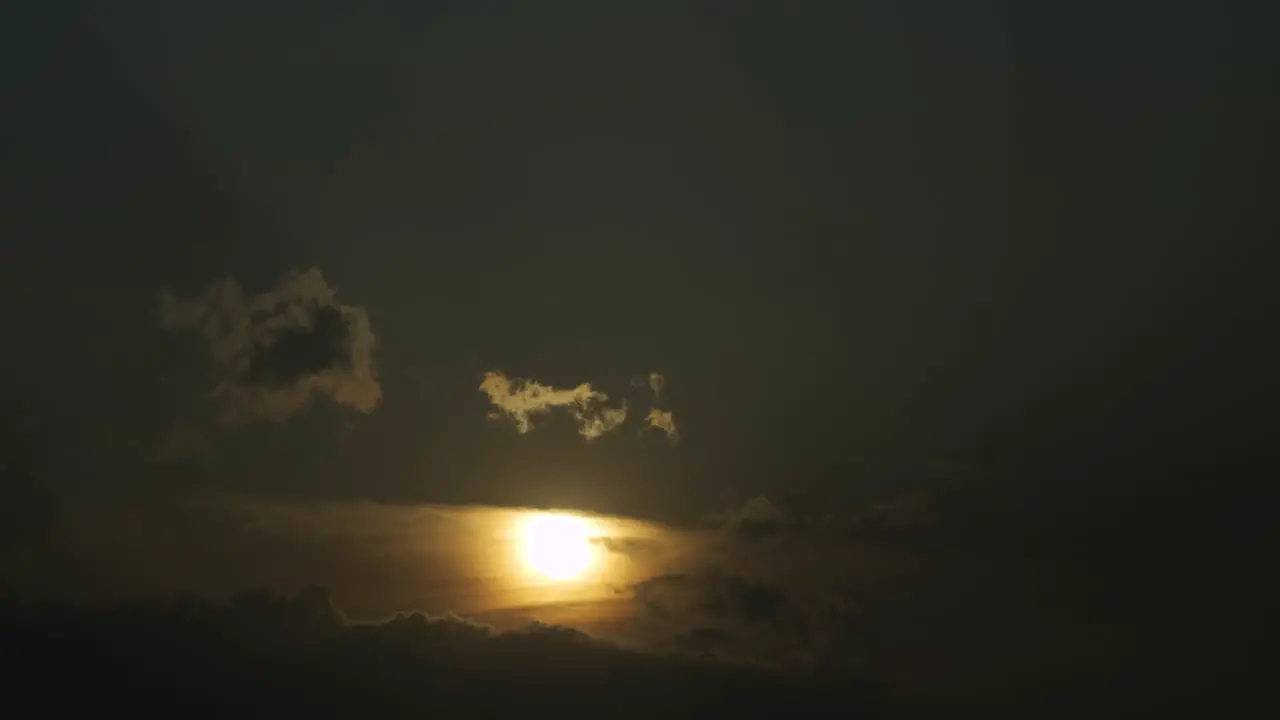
[(658, 419), (272, 351), (663, 420), (519, 400)]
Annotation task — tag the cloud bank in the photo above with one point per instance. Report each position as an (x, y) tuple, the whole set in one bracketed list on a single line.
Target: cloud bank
[(273, 351), (762, 586)]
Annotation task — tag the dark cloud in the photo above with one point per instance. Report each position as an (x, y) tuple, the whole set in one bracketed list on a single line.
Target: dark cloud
[(733, 617), (804, 598), (758, 518), (273, 351), (714, 596), (298, 656)]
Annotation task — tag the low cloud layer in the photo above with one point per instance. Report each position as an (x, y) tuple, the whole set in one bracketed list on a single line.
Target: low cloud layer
[(761, 586), (298, 656), (519, 400), (273, 351), (731, 616)]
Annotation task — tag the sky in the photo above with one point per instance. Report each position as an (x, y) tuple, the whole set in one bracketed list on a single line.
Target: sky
[(961, 294)]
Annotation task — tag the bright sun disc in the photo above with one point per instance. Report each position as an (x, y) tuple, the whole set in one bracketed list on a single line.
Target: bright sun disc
[(557, 547)]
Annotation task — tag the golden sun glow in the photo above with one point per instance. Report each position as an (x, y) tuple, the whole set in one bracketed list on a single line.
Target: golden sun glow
[(557, 547)]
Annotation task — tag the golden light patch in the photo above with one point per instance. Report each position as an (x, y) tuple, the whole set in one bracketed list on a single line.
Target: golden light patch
[(557, 547)]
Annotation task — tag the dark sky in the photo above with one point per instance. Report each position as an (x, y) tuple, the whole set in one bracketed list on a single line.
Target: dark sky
[(975, 294), (859, 239)]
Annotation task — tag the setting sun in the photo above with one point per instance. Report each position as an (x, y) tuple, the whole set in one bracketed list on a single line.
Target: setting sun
[(556, 547)]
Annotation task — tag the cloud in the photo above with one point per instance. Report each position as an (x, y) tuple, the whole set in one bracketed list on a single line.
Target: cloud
[(273, 351), (630, 546), (379, 558), (654, 381), (808, 599), (519, 400), (658, 419), (663, 420), (727, 615), (714, 596), (297, 655), (759, 517)]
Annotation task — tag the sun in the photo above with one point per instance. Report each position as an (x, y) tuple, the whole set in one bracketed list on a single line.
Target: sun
[(556, 547)]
